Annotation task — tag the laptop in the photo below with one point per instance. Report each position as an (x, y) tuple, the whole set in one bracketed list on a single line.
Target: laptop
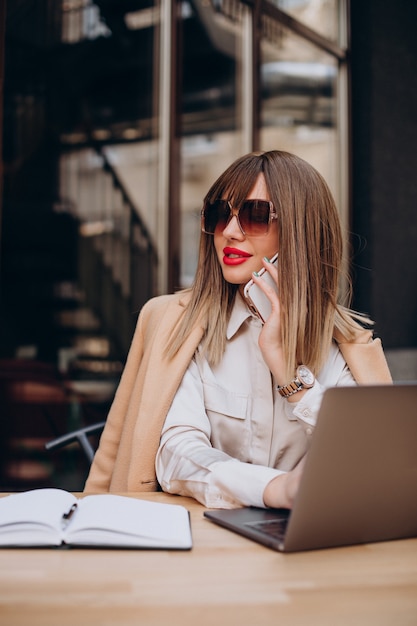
[(359, 483)]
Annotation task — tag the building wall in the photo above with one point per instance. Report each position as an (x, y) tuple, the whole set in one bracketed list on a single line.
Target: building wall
[(384, 166)]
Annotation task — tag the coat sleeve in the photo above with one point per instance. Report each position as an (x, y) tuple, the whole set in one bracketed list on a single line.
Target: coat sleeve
[(101, 470), (366, 359), (125, 459)]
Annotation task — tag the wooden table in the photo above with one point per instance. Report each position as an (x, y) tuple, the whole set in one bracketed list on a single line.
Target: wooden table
[(225, 580)]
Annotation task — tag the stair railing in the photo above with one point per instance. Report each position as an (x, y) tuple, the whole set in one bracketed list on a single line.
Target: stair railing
[(117, 256)]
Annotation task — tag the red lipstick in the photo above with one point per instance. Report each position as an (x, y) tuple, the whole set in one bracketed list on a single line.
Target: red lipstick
[(234, 256)]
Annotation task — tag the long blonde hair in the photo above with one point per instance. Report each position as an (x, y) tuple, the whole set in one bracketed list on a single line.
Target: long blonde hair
[(309, 265)]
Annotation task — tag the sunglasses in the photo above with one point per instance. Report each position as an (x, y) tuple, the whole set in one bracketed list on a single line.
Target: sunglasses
[(253, 216)]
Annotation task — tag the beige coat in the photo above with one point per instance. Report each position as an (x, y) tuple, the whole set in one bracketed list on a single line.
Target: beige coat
[(125, 459)]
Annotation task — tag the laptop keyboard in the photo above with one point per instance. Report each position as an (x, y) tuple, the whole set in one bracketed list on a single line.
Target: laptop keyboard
[(273, 527)]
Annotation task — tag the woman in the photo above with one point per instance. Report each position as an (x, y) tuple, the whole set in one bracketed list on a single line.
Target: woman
[(212, 400)]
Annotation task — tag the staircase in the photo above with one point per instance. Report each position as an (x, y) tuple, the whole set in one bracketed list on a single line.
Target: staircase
[(77, 261), (72, 282), (74, 275)]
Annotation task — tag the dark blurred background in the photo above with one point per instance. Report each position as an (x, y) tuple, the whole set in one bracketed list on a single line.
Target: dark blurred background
[(115, 118)]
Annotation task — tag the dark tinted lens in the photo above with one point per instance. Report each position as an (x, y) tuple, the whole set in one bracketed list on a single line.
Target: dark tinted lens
[(216, 214), (254, 217)]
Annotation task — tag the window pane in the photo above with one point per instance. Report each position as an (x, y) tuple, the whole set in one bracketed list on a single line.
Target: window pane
[(211, 111), (299, 100), (320, 15)]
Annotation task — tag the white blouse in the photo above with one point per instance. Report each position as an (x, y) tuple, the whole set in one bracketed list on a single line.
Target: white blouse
[(228, 431)]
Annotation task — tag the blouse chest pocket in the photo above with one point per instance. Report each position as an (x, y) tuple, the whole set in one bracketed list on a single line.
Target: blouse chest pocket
[(227, 412), (224, 402)]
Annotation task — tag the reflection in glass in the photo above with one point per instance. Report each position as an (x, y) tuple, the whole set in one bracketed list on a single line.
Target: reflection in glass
[(320, 15), (211, 119), (299, 100)]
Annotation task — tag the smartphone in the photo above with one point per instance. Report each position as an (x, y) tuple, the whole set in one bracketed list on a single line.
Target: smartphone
[(255, 297)]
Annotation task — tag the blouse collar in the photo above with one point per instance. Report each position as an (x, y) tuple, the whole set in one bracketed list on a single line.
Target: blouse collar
[(240, 313)]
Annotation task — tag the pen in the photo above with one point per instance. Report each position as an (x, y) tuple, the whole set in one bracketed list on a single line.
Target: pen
[(67, 516)]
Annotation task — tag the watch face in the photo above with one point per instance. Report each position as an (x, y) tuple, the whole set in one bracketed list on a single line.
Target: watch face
[(305, 376)]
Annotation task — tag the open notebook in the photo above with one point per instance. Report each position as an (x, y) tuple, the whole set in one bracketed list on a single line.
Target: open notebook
[(359, 483), (56, 518)]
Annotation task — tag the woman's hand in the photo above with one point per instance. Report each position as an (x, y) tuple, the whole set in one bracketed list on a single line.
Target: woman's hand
[(280, 492), (270, 337)]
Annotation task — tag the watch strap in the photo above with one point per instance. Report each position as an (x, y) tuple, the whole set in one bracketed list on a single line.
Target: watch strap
[(288, 390), (303, 380)]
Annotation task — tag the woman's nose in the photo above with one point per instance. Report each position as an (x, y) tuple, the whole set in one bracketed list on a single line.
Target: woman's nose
[(232, 229)]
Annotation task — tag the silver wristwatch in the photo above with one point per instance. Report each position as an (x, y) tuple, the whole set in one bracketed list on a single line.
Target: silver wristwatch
[(304, 379)]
